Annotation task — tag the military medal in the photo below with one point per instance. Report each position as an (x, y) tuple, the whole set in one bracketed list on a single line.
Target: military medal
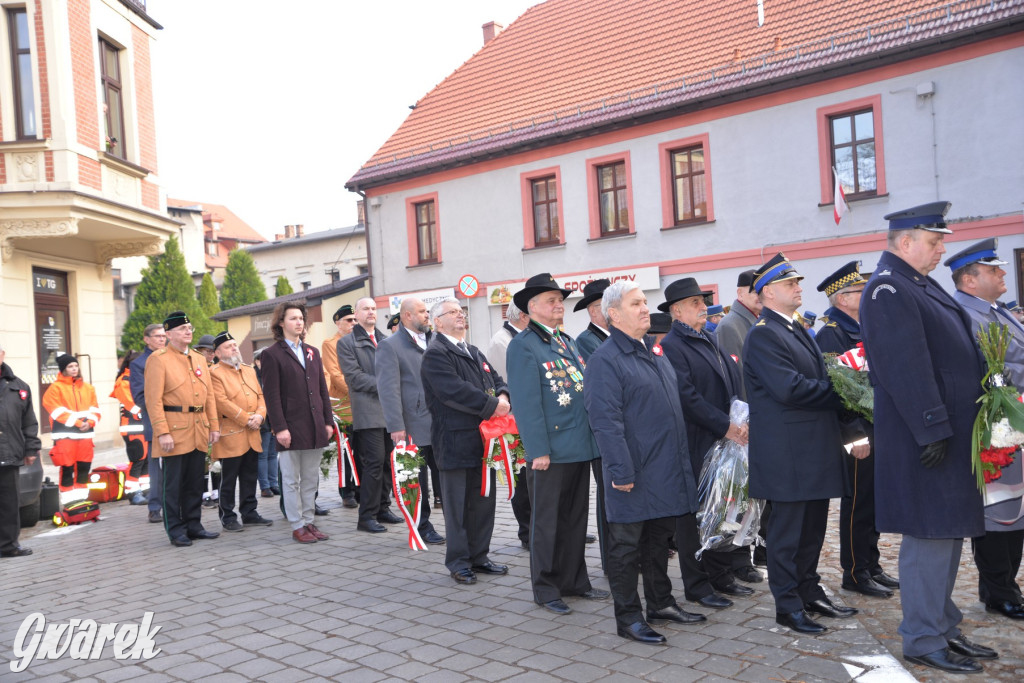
[(564, 399), (579, 387)]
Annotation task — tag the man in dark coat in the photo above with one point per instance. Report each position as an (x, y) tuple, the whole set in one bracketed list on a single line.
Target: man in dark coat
[(796, 450), (545, 374), (155, 338), (461, 391), (858, 538), (299, 409), (397, 366), (357, 357), (633, 408), (926, 371), (708, 381), (980, 281), (19, 445), (597, 331)]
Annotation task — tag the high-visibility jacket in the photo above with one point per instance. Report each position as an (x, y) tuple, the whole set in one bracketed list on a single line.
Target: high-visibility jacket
[(131, 414), (71, 405)]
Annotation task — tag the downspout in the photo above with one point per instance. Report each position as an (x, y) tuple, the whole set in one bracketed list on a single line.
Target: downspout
[(366, 229)]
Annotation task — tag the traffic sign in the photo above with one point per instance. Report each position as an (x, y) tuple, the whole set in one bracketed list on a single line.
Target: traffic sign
[(469, 286)]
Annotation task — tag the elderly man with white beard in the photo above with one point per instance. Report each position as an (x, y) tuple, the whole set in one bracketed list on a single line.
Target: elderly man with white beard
[(241, 410)]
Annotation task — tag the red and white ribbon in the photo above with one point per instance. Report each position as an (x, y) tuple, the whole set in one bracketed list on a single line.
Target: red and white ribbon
[(854, 358), (345, 453), (412, 517), (504, 461)]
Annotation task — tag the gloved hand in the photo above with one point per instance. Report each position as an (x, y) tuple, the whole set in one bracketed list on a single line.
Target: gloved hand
[(934, 453)]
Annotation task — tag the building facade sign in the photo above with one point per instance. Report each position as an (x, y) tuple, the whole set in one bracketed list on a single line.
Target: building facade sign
[(429, 297), (648, 278)]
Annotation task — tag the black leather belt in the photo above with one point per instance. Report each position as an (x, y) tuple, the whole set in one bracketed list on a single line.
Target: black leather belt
[(185, 409)]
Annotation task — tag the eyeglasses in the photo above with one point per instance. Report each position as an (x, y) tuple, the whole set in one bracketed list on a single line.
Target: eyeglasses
[(460, 313), (855, 291), (348, 320)]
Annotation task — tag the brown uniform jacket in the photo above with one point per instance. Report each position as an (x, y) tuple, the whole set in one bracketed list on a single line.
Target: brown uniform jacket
[(177, 379), (238, 397), (336, 384)]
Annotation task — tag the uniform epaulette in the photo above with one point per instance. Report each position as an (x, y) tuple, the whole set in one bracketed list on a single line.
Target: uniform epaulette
[(759, 323), (831, 324)]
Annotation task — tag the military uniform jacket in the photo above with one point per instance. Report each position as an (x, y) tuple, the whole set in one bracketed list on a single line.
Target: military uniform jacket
[(336, 385), (461, 392), (180, 379), (840, 334), (926, 371), (296, 396), (708, 381), (633, 406), (1003, 496), (589, 340), (357, 358), (239, 397), (545, 380), (796, 451)]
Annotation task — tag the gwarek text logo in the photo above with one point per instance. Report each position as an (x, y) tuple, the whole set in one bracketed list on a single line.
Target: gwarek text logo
[(82, 639)]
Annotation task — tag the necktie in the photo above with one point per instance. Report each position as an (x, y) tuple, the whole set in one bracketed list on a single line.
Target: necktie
[(373, 338), (463, 347)]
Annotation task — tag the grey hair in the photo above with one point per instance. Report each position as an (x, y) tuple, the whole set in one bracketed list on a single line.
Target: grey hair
[(613, 295), (513, 313), (437, 309)]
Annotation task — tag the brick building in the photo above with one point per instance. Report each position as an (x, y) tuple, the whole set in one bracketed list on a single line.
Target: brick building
[(655, 140), (78, 180)]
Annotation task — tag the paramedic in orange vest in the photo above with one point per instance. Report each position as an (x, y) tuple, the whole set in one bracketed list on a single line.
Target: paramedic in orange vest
[(131, 425), (74, 411)]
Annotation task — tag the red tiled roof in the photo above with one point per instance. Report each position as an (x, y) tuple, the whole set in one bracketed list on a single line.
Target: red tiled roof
[(566, 64), (231, 226)]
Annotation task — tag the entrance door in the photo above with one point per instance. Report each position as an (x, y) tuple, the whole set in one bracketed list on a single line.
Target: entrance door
[(53, 335)]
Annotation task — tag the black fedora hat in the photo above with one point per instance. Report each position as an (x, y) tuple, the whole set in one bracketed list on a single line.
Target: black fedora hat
[(592, 291), (538, 284), (679, 290)]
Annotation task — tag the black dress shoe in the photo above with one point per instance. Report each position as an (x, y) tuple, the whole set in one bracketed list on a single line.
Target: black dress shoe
[(947, 661), (557, 606), (642, 633), (17, 552), (371, 525), (748, 574), (525, 544), (675, 614), (1006, 608), (490, 568), (884, 579), (760, 556), (799, 622), (735, 589), (349, 502), (388, 517), (432, 537), (155, 516), (320, 512), (714, 601), (596, 594), (827, 608), (866, 586), (962, 646), (258, 521), (181, 542), (591, 538), (465, 576), (276, 490), (204, 534), (233, 525)]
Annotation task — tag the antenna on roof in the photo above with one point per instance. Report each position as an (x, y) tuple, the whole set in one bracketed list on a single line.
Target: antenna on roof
[(760, 12)]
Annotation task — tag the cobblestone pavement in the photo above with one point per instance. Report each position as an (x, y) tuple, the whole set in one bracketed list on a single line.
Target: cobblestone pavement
[(362, 607)]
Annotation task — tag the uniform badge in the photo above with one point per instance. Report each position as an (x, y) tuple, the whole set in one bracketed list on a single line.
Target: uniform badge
[(579, 387), (890, 288), (564, 399), (554, 386), (487, 368), (23, 394), (199, 372), (656, 350)]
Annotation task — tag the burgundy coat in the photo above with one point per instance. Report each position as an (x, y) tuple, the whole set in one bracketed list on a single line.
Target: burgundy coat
[(296, 397)]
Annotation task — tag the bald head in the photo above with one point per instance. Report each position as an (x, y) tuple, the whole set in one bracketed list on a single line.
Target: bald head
[(414, 315)]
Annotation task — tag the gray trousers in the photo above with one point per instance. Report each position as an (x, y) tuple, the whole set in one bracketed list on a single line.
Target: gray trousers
[(928, 568), (300, 476)]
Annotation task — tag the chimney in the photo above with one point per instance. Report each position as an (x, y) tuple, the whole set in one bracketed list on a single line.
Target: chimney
[(361, 212), (289, 231), (300, 230), (278, 237), (491, 30)]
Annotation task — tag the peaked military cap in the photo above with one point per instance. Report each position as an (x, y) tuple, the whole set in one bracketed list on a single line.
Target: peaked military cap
[(983, 252), (175, 319), (661, 323), (1013, 306), (205, 342), (343, 312), (930, 217), (717, 309), (538, 284), (679, 290), (847, 276), (810, 317), (592, 291), (224, 336), (778, 269)]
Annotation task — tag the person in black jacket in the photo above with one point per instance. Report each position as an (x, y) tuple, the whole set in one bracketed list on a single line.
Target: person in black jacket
[(462, 390), (19, 445)]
